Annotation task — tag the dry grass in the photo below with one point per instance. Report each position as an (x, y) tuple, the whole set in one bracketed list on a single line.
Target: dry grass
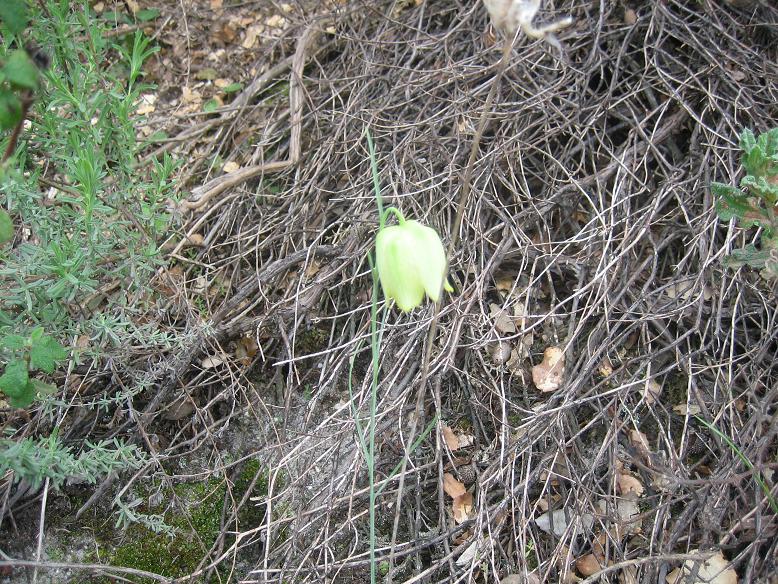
[(590, 206)]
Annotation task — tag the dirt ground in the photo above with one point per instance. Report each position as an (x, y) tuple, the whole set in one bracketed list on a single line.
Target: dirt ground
[(589, 232)]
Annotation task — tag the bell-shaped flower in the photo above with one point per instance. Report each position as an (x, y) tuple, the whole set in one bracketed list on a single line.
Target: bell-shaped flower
[(411, 262)]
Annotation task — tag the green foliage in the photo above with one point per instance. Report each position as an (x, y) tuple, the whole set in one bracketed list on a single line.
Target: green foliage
[(97, 228), (17, 70), (102, 227), (46, 458), (24, 356), (13, 16), (6, 227), (754, 203)]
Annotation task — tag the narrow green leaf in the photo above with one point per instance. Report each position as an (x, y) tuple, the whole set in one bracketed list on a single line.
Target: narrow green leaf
[(747, 140), (36, 334)]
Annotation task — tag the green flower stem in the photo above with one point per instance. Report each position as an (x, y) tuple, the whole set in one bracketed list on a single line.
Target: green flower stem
[(376, 183), (394, 211)]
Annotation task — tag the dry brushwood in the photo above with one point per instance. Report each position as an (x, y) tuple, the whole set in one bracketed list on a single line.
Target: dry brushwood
[(590, 207)]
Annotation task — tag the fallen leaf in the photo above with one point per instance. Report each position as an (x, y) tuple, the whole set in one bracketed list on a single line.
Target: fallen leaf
[(587, 565), (468, 555), (713, 570), (450, 438), (146, 104), (212, 361), (606, 367), (500, 352), (216, 4), (598, 546), (561, 521), (275, 21), (629, 485), (230, 166), (630, 16), (452, 486), (246, 350), (629, 523), (132, 5), (503, 323), (687, 409), (190, 95), (252, 34), (463, 507), (547, 376), (195, 239), (179, 409)]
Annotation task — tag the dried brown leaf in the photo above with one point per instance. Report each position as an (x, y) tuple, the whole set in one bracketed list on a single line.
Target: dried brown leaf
[(450, 438), (503, 323), (713, 570), (463, 507), (587, 565), (629, 485), (547, 376), (452, 486)]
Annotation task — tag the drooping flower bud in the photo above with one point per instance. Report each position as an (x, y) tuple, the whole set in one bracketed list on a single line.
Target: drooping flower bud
[(411, 262)]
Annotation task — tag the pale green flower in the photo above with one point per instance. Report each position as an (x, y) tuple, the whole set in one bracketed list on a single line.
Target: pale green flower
[(411, 262)]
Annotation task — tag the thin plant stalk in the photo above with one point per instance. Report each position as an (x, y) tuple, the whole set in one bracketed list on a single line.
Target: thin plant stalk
[(461, 203), (757, 475)]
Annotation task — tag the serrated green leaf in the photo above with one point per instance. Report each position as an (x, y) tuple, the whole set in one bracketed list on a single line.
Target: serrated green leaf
[(13, 14), (13, 342), (14, 379), (45, 354), (723, 190), (10, 110), (748, 256), (24, 398), (747, 140), (6, 227), (20, 71)]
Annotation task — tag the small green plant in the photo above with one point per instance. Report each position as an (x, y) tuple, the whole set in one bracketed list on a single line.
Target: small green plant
[(35, 460), (755, 202), (19, 79), (410, 262), (28, 355)]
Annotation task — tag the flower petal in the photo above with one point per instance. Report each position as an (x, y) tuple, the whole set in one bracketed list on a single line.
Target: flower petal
[(398, 276), (429, 258)]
